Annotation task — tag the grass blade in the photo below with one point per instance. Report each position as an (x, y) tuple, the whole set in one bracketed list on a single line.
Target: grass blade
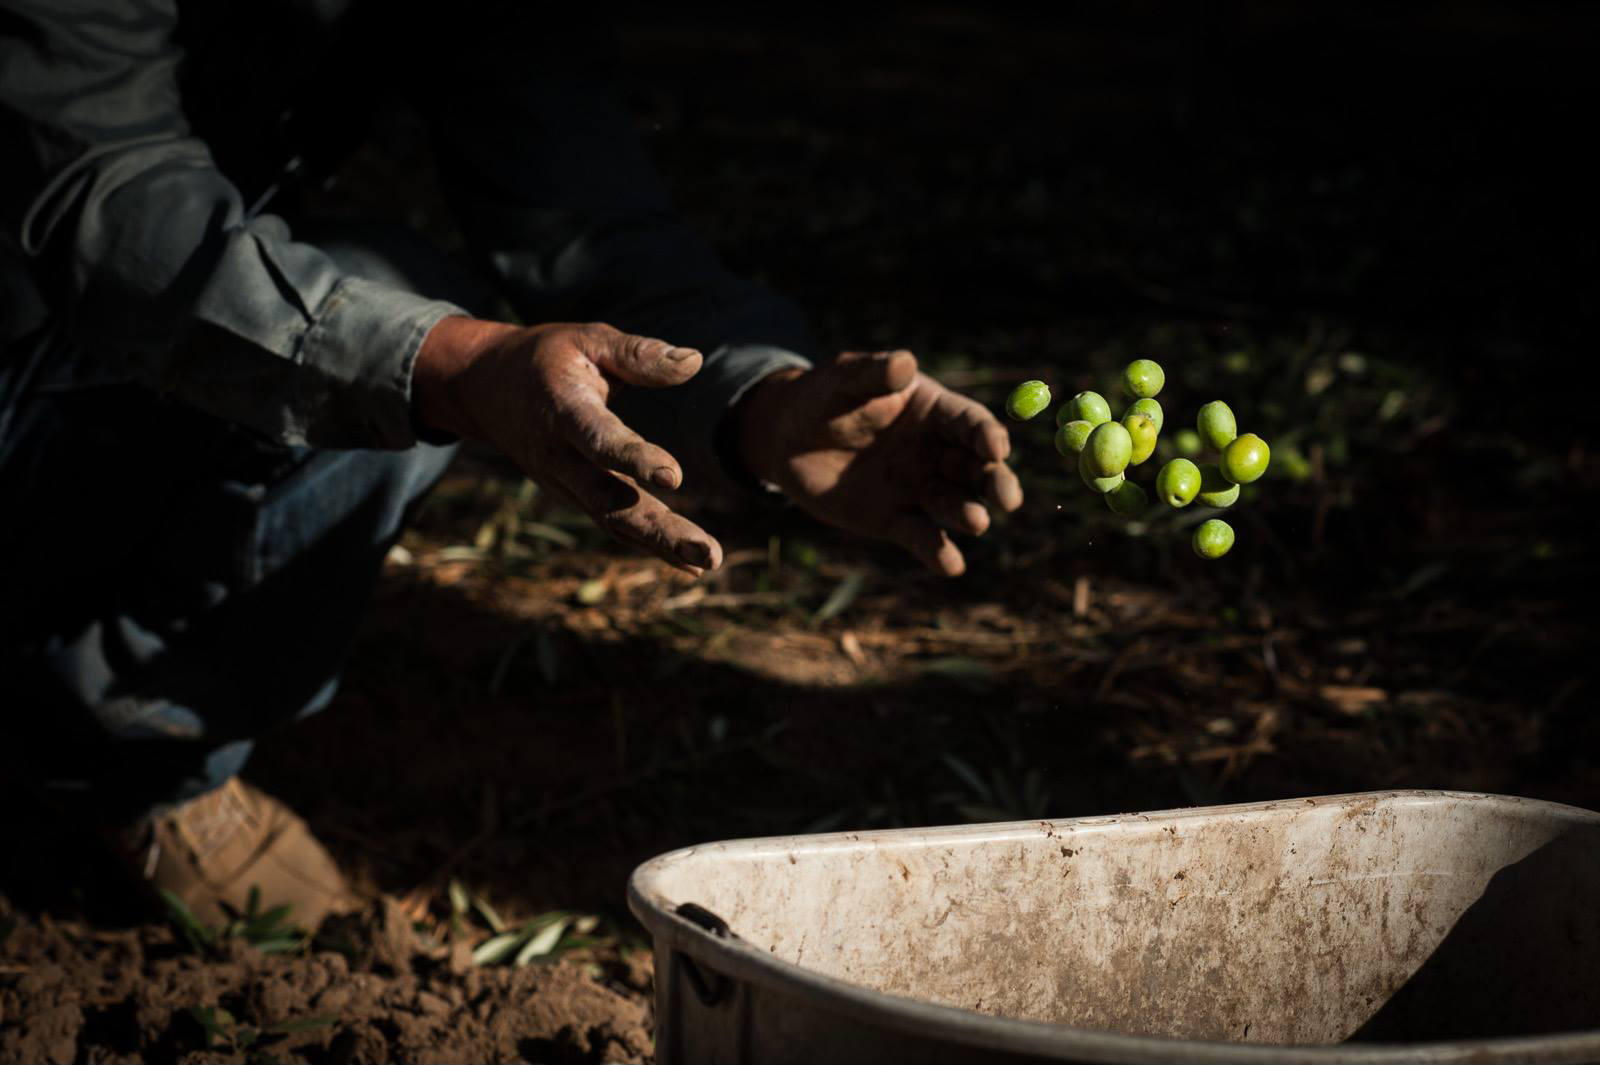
[(268, 922), (199, 935), (549, 533), (487, 912), (219, 1025), (959, 667), (839, 600), (969, 776)]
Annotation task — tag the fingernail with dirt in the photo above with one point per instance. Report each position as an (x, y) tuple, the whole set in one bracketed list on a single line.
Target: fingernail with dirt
[(695, 554), (664, 477)]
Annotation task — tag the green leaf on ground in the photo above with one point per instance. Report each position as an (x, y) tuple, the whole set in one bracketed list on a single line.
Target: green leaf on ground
[(543, 941), (496, 948)]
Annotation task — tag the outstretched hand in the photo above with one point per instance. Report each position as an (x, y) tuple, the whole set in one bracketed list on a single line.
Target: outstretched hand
[(870, 445), (539, 395)]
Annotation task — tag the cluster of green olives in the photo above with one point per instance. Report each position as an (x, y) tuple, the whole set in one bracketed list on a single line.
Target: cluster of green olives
[(1106, 449)]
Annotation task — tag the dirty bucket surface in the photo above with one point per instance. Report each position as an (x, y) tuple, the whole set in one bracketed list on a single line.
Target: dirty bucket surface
[(1383, 927)]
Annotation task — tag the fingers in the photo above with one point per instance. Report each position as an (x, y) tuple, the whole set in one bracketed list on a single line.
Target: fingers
[(969, 424), (928, 543), (602, 438), (854, 394), (862, 376), (949, 498), (861, 426), (952, 509), (994, 482), (637, 360), (633, 516)]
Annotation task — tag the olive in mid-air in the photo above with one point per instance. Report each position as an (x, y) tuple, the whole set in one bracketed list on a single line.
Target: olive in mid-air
[(1127, 500), (1071, 436), (1108, 449), (1150, 409), (1027, 400), (1093, 480), (1143, 378), (1245, 460), (1178, 483), (1216, 424), (1142, 431), (1090, 407), (1186, 442), (1213, 539), (1215, 489)]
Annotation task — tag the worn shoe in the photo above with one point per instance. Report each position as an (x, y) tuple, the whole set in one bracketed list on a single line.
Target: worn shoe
[(210, 852)]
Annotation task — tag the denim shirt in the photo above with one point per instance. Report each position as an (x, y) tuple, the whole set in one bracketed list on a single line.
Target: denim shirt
[(149, 260)]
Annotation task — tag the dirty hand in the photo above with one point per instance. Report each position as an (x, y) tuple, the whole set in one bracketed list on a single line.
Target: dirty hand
[(868, 444), (539, 395)]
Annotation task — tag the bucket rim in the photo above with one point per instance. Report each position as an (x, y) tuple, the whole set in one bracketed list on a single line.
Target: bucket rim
[(741, 960)]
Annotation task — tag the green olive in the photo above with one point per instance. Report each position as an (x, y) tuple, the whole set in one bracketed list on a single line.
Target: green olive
[(1142, 431), (1127, 500), (1143, 378), (1245, 460), (1213, 539), (1295, 464), (1150, 409), (1215, 489), (1178, 483), (1187, 441), (1216, 424), (1027, 400), (1108, 450), (1096, 483), (1090, 407), (1070, 437)]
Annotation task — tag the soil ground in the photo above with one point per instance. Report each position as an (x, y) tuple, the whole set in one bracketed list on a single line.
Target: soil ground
[(1384, 279)]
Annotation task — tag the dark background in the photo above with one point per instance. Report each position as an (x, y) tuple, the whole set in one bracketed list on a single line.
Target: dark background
[(1423, 165)]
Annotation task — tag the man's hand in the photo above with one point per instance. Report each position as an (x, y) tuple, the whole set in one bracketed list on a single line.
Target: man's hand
[(539, 395), (870, 445)]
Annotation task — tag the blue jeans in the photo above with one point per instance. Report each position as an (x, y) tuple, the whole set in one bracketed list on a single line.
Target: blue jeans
[(170, 585)]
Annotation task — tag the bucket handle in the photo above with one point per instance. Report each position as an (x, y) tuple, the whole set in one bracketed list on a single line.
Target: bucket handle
[(711, 989)]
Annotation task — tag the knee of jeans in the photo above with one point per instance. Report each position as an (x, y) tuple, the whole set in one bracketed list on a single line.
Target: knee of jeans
[(356, 500)]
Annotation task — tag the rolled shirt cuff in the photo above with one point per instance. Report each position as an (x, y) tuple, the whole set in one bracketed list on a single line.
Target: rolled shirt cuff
[(702, 443), (363, 345)]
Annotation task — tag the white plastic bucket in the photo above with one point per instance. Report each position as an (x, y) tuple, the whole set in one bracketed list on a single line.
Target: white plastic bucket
[(1386, 927)]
